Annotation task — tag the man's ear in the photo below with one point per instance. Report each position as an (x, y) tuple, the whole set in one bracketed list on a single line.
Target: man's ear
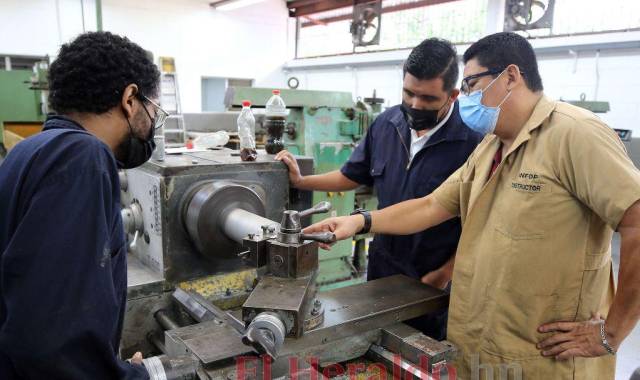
[(454, 94), (515, 77), (127, 102)]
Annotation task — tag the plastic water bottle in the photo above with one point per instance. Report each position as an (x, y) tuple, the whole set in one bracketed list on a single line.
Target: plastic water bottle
[(247, 133), (211, 140), (275, 119)]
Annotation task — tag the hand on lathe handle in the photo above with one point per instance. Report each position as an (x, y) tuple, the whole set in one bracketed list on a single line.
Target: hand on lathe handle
[(320, 237), (343, 227)]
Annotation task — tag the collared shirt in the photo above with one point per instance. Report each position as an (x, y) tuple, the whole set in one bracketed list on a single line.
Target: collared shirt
[(417, 142), (535, 244), (63, 269), (382, 160)]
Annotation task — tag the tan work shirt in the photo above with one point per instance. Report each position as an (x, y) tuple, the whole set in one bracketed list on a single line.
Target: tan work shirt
[(536, 241)]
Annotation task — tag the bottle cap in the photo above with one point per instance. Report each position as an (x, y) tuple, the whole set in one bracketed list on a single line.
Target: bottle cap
[(246, 103)]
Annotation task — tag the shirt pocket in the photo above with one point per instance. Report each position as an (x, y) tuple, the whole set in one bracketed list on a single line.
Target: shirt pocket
[(523, 296)]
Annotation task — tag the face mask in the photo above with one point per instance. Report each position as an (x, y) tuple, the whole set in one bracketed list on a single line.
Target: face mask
[(419, 120), (476, 115), (135, 151)]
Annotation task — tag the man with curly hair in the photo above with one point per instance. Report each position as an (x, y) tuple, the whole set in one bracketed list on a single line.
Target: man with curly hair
[(63, 271)]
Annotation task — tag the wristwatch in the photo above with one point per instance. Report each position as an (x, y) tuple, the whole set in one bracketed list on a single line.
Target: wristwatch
[(605, 342), (367, 220)]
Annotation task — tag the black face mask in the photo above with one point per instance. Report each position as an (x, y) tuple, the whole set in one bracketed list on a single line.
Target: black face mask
[(420, 120), (134, 151)]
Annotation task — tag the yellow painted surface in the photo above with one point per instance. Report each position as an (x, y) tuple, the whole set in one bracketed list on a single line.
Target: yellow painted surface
[(227, 290)]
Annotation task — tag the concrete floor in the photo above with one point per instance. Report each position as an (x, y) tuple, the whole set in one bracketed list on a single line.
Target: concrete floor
[(629, 352)]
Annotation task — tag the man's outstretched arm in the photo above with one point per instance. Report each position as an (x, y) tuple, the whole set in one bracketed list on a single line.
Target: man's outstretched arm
[(404, 218)]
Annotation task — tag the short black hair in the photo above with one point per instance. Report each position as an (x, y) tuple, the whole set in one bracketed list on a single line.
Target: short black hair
[(434, 58), (499, 50), (91, 73)]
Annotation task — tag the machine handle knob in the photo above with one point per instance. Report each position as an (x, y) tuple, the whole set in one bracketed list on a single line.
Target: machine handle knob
[(320, 208), (134, 242), (322, 237)]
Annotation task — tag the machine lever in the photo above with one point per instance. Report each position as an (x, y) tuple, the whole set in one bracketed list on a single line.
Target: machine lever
[(320, 208), (134, 242), (322, 237)]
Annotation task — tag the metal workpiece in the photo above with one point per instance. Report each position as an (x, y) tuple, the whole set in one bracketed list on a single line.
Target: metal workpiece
[(239, 224), (220, 214)]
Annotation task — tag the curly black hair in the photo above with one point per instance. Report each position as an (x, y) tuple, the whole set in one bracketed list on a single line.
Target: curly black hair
[(434, 58), (499, 50), (92, 71)]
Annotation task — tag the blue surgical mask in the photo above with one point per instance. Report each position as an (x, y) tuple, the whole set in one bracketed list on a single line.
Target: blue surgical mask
[(476, 115)]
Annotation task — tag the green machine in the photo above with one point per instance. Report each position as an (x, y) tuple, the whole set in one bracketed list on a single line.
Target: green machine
[(325, 125), (22, 101)]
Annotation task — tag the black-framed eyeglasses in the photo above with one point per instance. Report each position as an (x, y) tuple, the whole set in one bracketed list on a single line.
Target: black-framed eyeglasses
[(161, 115), (464, 87)]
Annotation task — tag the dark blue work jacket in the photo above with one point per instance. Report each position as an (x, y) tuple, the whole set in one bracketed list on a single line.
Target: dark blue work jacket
[(63, 269), (381, 160)]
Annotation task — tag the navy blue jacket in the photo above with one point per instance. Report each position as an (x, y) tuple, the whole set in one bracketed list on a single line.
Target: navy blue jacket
[(381, 160), (63, 269)]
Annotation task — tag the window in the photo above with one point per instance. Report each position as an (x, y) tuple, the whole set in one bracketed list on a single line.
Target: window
[(458, 21), (586, 16)]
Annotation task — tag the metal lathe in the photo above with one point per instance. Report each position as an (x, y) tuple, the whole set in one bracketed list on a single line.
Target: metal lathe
[(222, 281)]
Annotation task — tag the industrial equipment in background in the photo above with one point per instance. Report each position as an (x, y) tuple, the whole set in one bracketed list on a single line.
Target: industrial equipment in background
[(365, 25), (594, 106), (599, 107), (23, 98), (222, 281), (528, 15)]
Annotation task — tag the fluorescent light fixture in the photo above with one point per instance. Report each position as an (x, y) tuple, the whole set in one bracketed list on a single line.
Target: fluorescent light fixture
[(228, 5)]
